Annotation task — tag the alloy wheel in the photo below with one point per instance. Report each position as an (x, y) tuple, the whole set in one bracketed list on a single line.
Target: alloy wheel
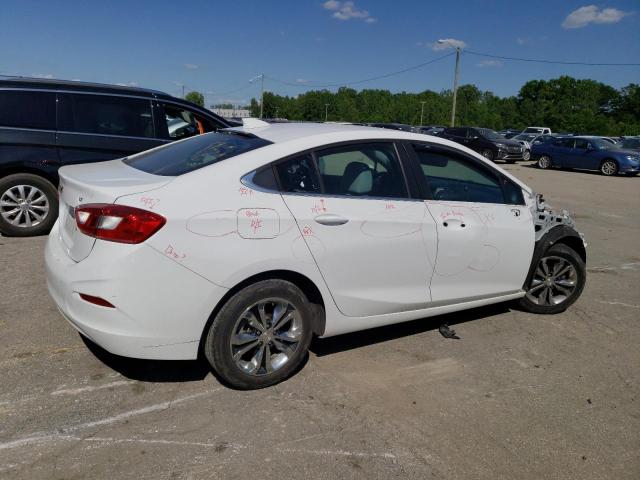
[(554, 281), (266, 336), (544, 162), (526, 155), (609, 168), (24, 206)]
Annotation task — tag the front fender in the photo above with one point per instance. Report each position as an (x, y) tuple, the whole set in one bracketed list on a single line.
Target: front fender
[(559, 234)]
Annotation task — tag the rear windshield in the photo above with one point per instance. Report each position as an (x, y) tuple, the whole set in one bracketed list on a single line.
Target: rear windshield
[(197, 152)]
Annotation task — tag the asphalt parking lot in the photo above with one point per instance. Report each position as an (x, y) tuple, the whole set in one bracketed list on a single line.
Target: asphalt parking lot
[(519, 396)]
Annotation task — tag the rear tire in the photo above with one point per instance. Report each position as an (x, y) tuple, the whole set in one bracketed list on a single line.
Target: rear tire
[(609, 168), (557, 282), (544, 162), (261, 336), (28, 205)]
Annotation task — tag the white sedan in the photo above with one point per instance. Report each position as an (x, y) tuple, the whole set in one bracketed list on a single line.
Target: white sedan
[(243, 244)]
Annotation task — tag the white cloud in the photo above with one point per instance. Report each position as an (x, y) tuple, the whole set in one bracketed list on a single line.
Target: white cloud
[(447, 43), (523, 40), (191, 66), (347, 11), (583, 16), (42, 75), (489, 63), (301, 80)]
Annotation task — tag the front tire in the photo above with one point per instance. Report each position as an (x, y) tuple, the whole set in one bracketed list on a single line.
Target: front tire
[(261, 336), (28, 205), (488, 154), (609, 168), (557, 281), (544, 162)]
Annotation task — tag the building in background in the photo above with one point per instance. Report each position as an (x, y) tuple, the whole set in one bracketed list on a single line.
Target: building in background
[(231, 112)]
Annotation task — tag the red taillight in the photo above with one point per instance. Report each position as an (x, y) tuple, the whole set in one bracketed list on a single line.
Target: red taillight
[(96, 300), (117, 223)]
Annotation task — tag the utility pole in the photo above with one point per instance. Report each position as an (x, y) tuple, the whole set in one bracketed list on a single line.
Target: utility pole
[(422, 112), (261, 94), (455, 88), (277, 112), (326, 111), (183, 91)]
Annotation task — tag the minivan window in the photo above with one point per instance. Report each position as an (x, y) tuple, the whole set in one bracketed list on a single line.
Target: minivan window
[(106, 115), (200, 151), (25, 109), (183, 123)]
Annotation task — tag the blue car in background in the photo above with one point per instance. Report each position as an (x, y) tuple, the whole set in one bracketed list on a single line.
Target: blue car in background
[(586, 153)]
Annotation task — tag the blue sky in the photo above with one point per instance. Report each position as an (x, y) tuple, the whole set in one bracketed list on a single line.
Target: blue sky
[(217, 47)]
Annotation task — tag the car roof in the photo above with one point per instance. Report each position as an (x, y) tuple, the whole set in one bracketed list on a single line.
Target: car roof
[(51, 84)]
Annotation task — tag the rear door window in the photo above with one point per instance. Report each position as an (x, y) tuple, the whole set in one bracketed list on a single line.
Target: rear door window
[(298, 175), (106, 115), (371, 170), (25, 109), (179, 158)]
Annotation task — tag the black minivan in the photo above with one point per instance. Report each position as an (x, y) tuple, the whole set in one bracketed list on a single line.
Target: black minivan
[(488, 143), (46, 124)]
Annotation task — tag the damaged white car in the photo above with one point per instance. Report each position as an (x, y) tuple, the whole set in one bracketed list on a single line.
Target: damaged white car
[(243, 244)]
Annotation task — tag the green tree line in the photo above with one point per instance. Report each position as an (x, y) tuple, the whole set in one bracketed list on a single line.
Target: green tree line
[(564, 104)]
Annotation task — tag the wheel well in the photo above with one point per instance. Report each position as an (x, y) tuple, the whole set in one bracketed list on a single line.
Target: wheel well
[(302, 282), (33, 171), (609, 158), (576, 244)]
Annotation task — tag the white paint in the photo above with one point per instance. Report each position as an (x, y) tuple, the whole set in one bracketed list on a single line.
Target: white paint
[(92, 388), (622, 304), (41, 437)]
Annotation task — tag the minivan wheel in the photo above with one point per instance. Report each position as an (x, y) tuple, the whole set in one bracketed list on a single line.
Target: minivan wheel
[(557, 281), (28, 205), (488, 154), (544, 162), (260, 336), (526, 156), (609, 168)]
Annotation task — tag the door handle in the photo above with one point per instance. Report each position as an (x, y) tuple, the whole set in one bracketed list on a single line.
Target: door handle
[(330, 219), (452, 222)]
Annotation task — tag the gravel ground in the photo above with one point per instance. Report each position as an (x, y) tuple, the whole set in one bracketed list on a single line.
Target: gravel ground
[(519, 396)]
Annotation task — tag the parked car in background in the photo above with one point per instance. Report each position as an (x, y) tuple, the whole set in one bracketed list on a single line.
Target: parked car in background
[(393, 126), (539, 130), (489, 143), (586, 153), (630, 143), (235, 244), (46, 124), (429, 129), (528, 139), (509, 132)]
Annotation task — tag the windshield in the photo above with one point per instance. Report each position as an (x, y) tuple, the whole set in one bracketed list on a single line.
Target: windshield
[(533, 130), (490, 134), (631, 143), (527, 137), (196, 152), (601, 144)]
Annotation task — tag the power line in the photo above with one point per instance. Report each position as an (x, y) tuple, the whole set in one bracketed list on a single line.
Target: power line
[(558, 62), (355, 82), (244, 87)]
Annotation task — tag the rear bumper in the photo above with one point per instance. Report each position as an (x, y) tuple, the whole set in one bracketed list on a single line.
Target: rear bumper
[(161, 307)]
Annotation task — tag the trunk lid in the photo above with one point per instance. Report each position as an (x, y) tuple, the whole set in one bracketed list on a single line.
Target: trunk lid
[(102, 182)]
